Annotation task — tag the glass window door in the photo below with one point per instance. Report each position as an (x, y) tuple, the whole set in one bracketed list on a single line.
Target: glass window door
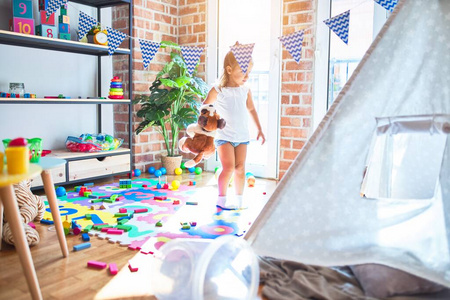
[(246, 21)]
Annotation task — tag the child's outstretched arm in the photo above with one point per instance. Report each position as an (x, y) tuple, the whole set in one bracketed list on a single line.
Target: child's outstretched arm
[(211, 97), (254, 114)]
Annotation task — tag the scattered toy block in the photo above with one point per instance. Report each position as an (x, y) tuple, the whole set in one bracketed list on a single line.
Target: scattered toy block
[(120, 214), (85, 237), (193, 224), (191, 203), (124, 218), (47, 222), (159, 224), (132, 266), (113, 197), (160, 198), (144, 186), (122, 210), (81, 246), (96, 200), (93, 196), (113, 269), (115, 231), (124, 227), (87, 228), (76, 230), (176, 202), (96, 264), (165, 186), (122, 222), (140, 210)]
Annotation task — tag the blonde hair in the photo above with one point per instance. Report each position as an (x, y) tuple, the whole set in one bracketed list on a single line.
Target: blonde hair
[(231, 61)]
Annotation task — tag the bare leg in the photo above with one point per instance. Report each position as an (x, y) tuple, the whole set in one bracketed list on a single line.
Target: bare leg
[(226, 156), (240, 153)]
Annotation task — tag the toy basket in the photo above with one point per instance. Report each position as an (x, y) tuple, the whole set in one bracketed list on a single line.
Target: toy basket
[(92, 143)]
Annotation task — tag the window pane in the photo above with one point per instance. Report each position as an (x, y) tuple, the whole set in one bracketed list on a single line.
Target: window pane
[(344, 58)]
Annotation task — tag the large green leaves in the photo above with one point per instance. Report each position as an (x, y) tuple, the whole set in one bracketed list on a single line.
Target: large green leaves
[(173, 99)]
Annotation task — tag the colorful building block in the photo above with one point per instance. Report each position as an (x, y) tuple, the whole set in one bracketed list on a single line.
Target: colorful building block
[(64, 36), (87, 228), (64, 19), (115, 231), (122, 210), (47, 31), (22, 9), (81, 246), (47, 21), (85, 237), (64, 28), (63, 11), (159, 224), (113, 269), (21, 25), (43, 4), (132, 266), (140, 210), (96, 264), (47, 222)]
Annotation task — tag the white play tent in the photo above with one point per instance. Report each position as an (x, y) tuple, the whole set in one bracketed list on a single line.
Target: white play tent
[(372, 185)]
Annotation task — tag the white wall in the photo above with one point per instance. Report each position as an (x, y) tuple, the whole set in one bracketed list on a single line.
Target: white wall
[(50, 73)]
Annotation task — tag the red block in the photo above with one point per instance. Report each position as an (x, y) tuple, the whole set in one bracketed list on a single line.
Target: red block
[(44, 21), (113, 269)]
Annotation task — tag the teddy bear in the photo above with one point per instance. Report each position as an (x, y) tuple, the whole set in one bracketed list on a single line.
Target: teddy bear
[(201, 135), (31, 207)]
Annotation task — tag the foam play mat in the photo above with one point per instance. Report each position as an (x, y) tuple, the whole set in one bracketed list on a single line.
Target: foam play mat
[(146, 212)]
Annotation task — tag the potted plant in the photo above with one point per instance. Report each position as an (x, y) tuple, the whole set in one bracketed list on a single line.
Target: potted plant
[(172, 103)]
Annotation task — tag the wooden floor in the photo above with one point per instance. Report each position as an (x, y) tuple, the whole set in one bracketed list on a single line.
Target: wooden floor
[(69, 278)]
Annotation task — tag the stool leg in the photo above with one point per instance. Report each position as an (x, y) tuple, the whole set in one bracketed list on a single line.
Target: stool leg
[(53, 202), (12, 214), (1, 223)]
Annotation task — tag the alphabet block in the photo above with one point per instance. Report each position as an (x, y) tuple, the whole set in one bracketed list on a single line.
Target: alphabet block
[(47, 31), (65, 36), (44, 21), (64, 28), (64, 19), (22, 9), (22, 25)]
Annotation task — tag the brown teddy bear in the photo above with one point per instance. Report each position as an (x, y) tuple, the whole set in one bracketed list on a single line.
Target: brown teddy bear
[(201, 135)]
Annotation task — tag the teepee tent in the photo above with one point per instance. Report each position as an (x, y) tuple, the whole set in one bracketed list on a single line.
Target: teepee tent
[(372, 185)]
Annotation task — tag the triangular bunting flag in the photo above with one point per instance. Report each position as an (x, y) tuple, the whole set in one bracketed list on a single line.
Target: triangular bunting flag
[(243, 55), (53, 6), (339, 24), (85, 23), (148, 49), (115, 38), (387, 4), (293, 44), (191, 56)]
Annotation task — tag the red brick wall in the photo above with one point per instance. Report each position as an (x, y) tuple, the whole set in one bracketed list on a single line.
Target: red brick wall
[(184, 22), (155, 20), (296, 83)]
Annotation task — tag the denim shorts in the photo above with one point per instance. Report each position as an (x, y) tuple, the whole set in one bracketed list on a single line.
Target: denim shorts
[(234, 144)]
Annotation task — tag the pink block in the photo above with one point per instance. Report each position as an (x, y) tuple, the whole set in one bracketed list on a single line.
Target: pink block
[(105, 229), (132, 266), (32, 225), (115, 231), (113, 269), (140, 210), (96, 264), (22, 25), (122, 210)]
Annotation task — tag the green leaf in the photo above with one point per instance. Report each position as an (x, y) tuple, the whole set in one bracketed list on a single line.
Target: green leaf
[(182, 80), (169, 44), (169, 82)]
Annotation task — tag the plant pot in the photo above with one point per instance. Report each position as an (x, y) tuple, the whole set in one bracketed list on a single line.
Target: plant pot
[(171, 163)]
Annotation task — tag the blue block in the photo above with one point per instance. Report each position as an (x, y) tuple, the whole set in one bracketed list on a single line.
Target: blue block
[(81, 246), (64, 28), (89, 184), (47, 222), (85, 237), (23, 9), (122, 218)]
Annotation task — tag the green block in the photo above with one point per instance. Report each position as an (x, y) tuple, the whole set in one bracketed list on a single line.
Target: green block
[(64, 36), (113, 197), (121, 215), (87, 228), (88, 217), (124, 227), (123, 221), (98, 227), (129, 186), (96, 200), (108, 200), (63, 11), (158, 224)]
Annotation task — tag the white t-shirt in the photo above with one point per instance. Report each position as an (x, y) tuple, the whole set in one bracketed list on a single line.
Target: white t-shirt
[(231, 105)]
